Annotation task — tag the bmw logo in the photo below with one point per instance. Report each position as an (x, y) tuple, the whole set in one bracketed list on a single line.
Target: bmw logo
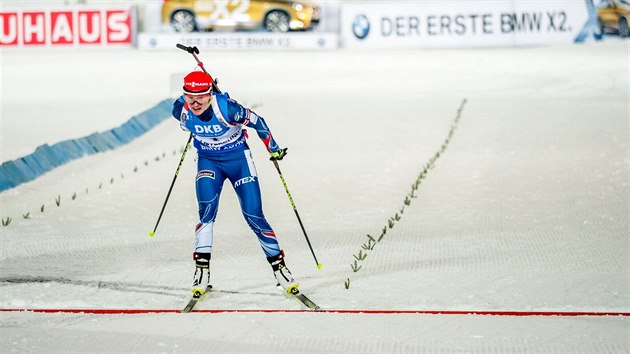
[(361, 27)]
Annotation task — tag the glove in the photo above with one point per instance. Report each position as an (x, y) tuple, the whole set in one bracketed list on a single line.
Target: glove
[(278, 155)]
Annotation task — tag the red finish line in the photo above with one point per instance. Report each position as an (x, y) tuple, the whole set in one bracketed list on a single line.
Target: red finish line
[(366, 312)]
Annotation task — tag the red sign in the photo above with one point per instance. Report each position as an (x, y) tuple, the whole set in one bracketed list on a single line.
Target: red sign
[(80, 27)]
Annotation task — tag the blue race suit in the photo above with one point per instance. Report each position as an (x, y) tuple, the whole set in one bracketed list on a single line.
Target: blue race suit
[(223, 154)]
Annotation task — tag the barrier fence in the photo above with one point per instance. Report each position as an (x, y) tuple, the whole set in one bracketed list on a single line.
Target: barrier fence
[(47, 157)]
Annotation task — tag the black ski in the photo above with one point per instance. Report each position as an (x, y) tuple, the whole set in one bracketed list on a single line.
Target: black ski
[(195, 300), (295, 293)]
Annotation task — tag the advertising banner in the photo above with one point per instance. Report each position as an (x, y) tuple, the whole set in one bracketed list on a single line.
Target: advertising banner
[(461, 23), (241, 40), (67, 26)]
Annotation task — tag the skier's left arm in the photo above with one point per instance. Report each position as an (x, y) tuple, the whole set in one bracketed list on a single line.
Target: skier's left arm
[(249, 118)]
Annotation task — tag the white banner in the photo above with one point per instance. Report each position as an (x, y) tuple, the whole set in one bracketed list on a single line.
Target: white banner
[(461, 23), (78, 26), (241, 41)]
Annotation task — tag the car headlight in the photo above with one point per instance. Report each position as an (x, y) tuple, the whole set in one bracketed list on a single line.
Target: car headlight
[(297, 6)]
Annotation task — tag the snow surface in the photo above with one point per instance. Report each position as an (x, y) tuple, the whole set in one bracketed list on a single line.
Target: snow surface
[(525, 208)]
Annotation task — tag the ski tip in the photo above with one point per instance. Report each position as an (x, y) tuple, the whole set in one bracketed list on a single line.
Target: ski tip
[(151, 233), (319, 266)]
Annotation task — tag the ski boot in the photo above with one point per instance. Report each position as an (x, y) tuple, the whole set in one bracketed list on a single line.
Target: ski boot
[(201, 279), (282, 273)]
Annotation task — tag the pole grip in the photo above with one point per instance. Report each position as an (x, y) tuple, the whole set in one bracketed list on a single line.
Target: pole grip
[(191, 50)]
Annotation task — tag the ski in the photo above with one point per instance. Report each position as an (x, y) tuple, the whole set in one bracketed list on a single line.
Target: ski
[(295, 293), (303, 299), (195, 300)]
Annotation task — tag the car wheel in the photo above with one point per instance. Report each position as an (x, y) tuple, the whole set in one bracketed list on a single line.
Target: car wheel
[(623, 28), (602, 28), (183, 21), (277, 21)]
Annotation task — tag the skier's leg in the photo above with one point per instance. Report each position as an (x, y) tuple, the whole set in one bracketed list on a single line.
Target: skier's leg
[(242, 174), (245, 181), (209, 183)]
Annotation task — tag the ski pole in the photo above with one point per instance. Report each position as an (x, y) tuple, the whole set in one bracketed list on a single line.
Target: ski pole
[(194, 51), (275, 163), (152, 233)]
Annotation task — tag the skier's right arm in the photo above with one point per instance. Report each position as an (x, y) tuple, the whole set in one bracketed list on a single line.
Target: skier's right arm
[(177, 108), (177, 112)]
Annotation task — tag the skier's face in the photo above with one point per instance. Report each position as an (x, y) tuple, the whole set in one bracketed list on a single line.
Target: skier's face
[(198, 103)]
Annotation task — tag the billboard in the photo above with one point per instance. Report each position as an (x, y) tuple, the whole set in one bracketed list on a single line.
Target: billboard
[(217, 25), (461, 23), (241, 41), (71, 26)]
